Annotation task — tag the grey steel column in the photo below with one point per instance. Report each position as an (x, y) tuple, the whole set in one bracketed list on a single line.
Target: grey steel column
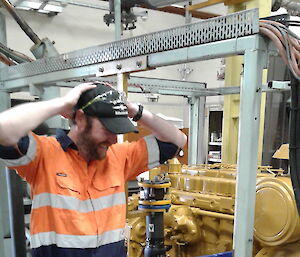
[(5, 233), (121, 78), (250, 102), (118, 23), (196, 128), (4, 228), (4, 214), (201, 124), (1, 218), (16, 213)]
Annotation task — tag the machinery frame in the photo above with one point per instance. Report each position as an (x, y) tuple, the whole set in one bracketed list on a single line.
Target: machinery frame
[(234, 34)]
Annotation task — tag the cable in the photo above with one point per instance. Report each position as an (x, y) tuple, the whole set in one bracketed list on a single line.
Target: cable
[(6, 60), (14, 55), (288, 45), (294, 146), (286, 41)]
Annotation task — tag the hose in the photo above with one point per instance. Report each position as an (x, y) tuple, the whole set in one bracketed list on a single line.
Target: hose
[(5, 60), (14, 55), (289, 49), (286, 41)]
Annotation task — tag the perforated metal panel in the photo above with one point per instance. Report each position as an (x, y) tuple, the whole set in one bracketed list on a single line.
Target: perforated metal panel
[(221, 28), (162, 86)]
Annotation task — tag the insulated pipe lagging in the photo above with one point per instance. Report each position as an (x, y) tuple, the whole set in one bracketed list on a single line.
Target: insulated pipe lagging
[(23, 24)]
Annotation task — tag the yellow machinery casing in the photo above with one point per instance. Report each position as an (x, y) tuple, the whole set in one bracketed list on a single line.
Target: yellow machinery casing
[(200, 221)]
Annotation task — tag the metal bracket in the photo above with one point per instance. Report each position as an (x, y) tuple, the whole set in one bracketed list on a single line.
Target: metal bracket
[(279, 85), (123, 66), (44, 49), (35, 91)]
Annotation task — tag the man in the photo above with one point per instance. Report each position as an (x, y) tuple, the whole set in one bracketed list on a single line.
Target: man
[(77, 179)]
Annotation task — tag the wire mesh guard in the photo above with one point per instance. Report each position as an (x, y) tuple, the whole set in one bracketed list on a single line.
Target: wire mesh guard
[(220, 28)]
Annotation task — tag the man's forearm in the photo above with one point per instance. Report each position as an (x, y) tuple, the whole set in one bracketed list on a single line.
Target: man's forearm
[(18, 121), (161, 128)]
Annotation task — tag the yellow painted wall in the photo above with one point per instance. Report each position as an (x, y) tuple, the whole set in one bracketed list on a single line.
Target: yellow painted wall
[(232, 102)]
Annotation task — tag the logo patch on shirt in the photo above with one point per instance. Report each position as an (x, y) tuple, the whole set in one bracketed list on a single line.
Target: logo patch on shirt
[(61, 174)]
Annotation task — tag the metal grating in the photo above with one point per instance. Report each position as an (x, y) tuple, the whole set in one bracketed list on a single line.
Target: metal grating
[(220, 28)]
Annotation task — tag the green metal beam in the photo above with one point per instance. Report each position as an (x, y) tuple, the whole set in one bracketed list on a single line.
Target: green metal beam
[(190, 54), (208, 51)]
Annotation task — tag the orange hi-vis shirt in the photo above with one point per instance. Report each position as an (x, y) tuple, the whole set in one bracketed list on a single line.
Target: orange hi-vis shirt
[(76, 204)]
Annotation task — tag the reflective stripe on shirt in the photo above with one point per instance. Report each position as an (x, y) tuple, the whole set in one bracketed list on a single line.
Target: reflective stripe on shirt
[(72, 203), (153, 151), (76, 241), (25, 159)]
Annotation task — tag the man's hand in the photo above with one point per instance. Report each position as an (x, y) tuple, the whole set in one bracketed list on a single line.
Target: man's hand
[(132, 109), (71, 98)]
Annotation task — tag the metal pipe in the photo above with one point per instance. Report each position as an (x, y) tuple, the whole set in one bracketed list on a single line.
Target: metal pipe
[(23, 24), (188, 14), (213, 214), (118, 21)]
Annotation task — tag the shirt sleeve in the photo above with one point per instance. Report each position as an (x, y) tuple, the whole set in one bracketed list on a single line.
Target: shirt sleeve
[(15, 152), (23, 159), (166, 150), (145, 154)]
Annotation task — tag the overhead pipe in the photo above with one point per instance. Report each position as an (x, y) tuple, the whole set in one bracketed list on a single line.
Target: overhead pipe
[(23, 24)]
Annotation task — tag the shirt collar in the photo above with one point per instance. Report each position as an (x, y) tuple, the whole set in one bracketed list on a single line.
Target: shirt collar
[(64, 140)]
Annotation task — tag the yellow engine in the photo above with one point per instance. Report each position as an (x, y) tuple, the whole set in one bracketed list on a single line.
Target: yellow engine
[(200, 220)]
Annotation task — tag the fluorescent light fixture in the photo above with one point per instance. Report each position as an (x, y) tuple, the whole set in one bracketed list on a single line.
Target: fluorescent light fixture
[(36, 5)]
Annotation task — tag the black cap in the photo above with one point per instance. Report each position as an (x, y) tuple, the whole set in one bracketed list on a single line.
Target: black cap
[(105, 103)]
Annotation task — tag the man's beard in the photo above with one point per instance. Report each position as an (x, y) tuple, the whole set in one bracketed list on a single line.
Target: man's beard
[(87, 144)]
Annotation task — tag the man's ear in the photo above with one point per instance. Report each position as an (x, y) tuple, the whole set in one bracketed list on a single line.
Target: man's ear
[(80, 119)]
